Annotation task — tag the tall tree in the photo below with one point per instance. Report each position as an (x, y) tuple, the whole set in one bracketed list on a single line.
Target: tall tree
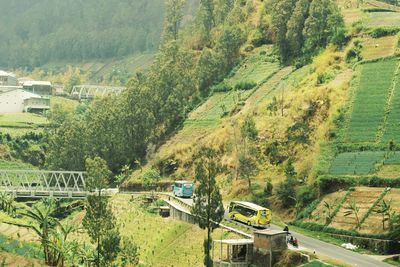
[(41, 214), (173, 19), (281, 12), (208, 208), (324, 24), (384, 209), (207, 19), (295, 27), (99, 220)]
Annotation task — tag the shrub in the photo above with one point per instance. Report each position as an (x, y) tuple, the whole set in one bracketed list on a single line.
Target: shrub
[(286, 192), (354, 53), (245, 85), (221, 87), (383, 31), (329, 184), (306, 195)]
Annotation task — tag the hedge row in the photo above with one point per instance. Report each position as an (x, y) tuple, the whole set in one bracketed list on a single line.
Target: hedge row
[(383, 31), (329, 183)]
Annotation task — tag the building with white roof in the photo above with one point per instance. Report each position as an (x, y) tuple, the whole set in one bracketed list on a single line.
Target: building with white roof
[(19, 100), (43, 88), (7, 78)]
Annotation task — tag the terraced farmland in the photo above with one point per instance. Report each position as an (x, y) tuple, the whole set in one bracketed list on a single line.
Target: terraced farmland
[(392, 129), (15, 165), (364, 197), (361, 163), (374, 220), (369, 105), (379, 19), (374, 48), (256, 68), (356, 163)]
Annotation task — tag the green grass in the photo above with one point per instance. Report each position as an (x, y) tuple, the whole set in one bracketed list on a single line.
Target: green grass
[(363, 162), (256, 68), (380, 19), (356, 163), (15, 165), (67, 104), (20, 248), (316, 263), (392, 129), (392, 262), (162, 241), (370, 101), (21, 120)]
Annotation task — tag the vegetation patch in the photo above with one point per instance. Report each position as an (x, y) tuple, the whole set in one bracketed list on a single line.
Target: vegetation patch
[(368, 108), (374, 48), (383, 19)]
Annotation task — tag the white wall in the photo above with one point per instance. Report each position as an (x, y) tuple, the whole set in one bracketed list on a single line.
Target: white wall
[(13, 101)]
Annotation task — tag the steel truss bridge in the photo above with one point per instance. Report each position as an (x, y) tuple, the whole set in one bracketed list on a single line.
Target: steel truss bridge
[(39, 184), (92, 91)]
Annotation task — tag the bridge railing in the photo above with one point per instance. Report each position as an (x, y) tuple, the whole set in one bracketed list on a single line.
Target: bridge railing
[(36, 183)]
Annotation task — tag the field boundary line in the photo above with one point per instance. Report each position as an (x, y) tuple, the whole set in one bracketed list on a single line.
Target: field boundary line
[(388, 107), (370, 210), (339, 206), (354, 87)]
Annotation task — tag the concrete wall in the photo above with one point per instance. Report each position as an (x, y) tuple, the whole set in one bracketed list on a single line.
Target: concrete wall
[(8, 80), (13, 101), (268, 247)]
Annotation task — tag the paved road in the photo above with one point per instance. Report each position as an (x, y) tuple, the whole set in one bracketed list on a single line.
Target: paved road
[(325, 249), (332, 251)]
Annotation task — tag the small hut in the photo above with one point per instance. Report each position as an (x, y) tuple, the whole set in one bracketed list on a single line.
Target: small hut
[(232, 252)]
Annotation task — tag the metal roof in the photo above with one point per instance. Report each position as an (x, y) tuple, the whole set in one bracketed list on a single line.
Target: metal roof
[(250, 205), (30, 83), (270, 232), (4, 73), (235, 241)]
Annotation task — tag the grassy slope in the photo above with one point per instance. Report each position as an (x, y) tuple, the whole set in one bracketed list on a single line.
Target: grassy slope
[(17, 124)]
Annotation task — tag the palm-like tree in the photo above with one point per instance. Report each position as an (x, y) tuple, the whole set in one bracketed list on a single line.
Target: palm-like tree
[(44, 223), (329, 215), (59, 248), (353, 209), (384, 209)]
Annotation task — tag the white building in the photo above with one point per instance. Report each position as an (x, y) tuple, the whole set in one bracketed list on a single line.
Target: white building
[(18, 100), (43, 88), (7, 78)]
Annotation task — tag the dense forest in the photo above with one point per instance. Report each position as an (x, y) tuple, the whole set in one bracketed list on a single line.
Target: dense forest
[(36, 32)]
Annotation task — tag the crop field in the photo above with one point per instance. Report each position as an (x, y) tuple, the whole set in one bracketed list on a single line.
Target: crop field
[(162, 241), (266, 90), (320, 212), (21, 120), (356, 163), (209, 116), (379, 19), (374, 48), (374, 220), (364, 162), (15, 165), (364, 198), (392, 129), (256, 68), (370, 101), (13, 260)]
